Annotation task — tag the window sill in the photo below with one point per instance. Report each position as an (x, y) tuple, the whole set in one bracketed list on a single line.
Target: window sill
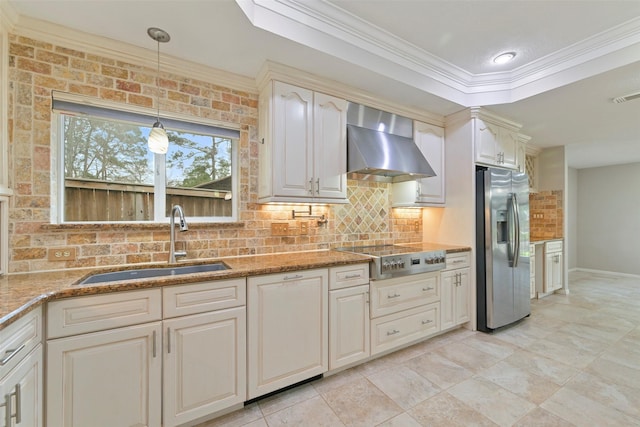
[(128, 226)]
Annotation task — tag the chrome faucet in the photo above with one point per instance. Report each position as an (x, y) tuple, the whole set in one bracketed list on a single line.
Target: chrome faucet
[(172, 234)]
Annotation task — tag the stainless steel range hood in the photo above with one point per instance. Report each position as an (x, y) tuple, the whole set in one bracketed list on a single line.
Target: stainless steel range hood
[(380, 147)]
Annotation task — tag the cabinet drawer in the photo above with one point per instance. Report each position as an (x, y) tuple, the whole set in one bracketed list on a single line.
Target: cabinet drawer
[(202, 297), (555, 246), (348, 275), (401, 328), (18, 339), (100, 312), (458, 260), (401, 293)]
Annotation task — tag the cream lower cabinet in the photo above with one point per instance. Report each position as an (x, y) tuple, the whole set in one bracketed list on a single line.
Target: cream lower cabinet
[(21, 370), (287, 323), (147, 371), (532, 271), (105, 379), (404, 310), (455, 285), (553, 266), (204, 347), (349, 323)]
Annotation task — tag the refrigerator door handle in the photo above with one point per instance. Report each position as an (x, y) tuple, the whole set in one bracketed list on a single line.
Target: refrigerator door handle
[(516, 222)]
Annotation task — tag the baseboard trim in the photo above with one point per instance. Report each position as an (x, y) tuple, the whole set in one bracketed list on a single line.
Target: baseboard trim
[(605, 273)]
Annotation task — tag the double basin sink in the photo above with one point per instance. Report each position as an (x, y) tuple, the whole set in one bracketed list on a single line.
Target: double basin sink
[(146, 273)]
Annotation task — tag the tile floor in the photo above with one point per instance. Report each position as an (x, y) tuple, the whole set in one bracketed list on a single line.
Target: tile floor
[(574, 362)]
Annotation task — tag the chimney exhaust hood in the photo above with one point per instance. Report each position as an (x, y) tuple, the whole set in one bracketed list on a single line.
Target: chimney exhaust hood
[(380, 147)]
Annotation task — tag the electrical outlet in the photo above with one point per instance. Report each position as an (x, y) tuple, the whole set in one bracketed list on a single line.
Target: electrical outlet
[(416, 226), (304, 227), (279, 229), (62, 254)]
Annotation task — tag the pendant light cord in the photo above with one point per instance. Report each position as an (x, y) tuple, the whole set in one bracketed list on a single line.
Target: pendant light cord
[(158, 82)]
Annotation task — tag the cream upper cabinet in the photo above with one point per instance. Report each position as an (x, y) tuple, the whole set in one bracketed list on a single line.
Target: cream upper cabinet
[(287, 326), (426, 191), (496, 145), (303, 150)]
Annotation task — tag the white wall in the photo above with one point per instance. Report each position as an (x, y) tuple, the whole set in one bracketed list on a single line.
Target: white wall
[(608, 217), (571, 214)]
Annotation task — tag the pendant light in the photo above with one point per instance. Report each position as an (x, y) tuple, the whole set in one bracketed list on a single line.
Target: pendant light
[(158, 139)]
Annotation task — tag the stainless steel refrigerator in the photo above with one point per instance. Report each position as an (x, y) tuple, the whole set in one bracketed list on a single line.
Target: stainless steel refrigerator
[(502, 247)]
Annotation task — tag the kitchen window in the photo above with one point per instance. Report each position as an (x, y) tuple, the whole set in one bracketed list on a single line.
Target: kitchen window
[(109, 175)]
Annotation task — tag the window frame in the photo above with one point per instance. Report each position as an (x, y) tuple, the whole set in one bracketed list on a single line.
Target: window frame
[(145, 117)]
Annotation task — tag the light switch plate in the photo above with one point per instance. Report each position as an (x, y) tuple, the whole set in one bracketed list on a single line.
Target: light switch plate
[(279, 229)]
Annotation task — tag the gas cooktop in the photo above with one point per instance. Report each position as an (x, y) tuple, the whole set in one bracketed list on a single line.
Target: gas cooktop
[(396, 260)]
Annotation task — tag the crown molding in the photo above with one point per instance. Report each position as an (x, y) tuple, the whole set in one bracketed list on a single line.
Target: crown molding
[(102, 46), (8, 16), (334, 31)]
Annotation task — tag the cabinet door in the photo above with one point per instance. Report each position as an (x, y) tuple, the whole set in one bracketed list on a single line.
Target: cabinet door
[(109, 378), (204, 364), (508, 143), (447, 300), (486, 144), (22, 390), (430, 141), (553, 271), (292, 140), (287, 329), (532, 266), (348, 326), (462, 296), (330, 147)]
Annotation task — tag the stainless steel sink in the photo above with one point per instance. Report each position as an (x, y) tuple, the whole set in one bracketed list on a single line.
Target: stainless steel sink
[(153, 272)]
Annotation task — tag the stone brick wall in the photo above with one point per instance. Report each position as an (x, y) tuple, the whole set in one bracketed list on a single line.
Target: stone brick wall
[(546, 215), (36, 68)]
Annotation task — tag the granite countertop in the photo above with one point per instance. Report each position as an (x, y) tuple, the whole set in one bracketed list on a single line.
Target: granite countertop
[(20, 293), (541, 240)]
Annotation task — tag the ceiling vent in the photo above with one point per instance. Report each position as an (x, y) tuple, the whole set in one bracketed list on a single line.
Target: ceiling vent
[(625, 98)]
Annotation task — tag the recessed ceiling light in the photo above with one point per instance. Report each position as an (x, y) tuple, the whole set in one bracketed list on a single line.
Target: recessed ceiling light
[(503, 58)]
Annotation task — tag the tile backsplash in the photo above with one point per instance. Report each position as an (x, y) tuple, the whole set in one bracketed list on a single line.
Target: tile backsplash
[(38, 67), (546, 215)]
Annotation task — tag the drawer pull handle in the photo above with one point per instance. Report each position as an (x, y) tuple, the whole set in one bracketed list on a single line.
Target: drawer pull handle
[(352, 276), (426, 322), (154, 344), (297, 276), (168, 340), (395, 331), (393, 296), (8, 410), (10, 354), (458, 261), (430, 288)]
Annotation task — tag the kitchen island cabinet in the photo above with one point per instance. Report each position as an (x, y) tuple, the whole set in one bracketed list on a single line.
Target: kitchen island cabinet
[(303, 150), (287, 322)]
